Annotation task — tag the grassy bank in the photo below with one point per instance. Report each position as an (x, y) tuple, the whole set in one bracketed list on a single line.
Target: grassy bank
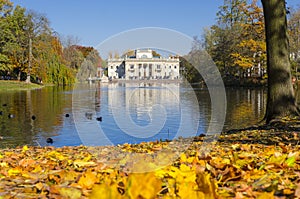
[(250, 163), (17, 85)]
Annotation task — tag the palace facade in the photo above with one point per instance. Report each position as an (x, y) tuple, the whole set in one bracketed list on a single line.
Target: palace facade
[(143, 66)]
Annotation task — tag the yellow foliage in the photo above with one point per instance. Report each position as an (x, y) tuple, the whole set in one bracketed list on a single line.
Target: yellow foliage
[(70, 193), (25, 148), (105, 191), (87, 180), (54, 155), (143, 185), (14, 171), (186, 191), (206, 185)]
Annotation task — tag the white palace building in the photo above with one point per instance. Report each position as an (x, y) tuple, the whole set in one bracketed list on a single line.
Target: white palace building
[(143, 66)]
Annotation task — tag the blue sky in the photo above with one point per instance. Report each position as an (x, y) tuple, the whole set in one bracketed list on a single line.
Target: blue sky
[(93, 21)]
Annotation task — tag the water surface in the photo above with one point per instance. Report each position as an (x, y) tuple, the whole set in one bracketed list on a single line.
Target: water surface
[(143, 104)]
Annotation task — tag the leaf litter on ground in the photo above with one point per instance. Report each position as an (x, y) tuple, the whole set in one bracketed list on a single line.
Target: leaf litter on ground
[(249, 163)]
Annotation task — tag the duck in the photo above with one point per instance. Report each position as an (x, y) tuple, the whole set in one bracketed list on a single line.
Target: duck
[(49, 140), (33, 117), (11, 116), (88, 115), (99, 119), (67, 115)]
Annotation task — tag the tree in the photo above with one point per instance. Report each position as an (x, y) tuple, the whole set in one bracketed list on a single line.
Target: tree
[(281, 98), (16, 47), (236, 43), (6, 8), (250, 52), (294, 39)]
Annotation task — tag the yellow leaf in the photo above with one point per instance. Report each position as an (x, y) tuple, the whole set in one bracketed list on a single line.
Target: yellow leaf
[(290, 161), (277, 159), (3, 164), (187, 159), (183, 157), (264, 195), (25, 148), (87, 158), (105, 191), (185, 190), (14, 171), (87, 180), (206, 185), (184, 168), (69, 175), (37, 169), (79, 163), (54, 155), (143, 185), (70, 192), (39, 186)]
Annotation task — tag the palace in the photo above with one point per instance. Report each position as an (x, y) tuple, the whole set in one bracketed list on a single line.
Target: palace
[(143, 66)]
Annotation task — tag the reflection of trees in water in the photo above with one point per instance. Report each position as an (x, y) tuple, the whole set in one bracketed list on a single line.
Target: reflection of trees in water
[(245, 107), (47, 105)]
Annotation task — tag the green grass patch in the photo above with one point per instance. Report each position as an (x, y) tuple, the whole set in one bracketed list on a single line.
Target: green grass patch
[(17, 85)]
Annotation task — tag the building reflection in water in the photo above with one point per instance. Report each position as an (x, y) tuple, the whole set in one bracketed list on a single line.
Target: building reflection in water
[(135, 112), (148, 111)]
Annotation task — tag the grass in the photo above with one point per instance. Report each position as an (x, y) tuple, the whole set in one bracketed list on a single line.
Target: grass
[(17, 85)]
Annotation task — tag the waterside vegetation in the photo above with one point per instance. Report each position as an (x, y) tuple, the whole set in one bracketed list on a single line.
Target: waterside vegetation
[(17, 85)]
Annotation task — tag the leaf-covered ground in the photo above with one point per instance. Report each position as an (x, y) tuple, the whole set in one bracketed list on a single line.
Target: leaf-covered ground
[(252, 163)]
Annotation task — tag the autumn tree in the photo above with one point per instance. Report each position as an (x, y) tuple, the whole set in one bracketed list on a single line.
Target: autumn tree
[(294, 40), (250, 52), (236, 43), (28, 48), (281, 98)]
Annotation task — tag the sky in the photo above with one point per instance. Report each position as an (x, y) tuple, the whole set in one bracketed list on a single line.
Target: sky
[(93, 21)]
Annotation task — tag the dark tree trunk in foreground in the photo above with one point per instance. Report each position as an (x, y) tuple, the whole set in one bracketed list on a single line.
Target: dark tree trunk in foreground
[(281, 98)]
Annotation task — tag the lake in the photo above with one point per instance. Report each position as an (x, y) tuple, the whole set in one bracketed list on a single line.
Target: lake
[(116, 113)]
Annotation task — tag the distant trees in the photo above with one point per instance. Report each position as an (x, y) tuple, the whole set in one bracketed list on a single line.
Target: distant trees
[(294, 40), (29, 47), (90, 60), (237, 42)]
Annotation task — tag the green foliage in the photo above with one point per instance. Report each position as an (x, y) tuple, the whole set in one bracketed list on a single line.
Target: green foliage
[(189, 72), (49, 61)]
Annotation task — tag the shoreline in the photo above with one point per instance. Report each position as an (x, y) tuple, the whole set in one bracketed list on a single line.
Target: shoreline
[(12, 85)]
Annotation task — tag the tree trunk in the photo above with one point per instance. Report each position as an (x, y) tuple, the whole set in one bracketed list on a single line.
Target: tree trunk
[(281, 97), (29, 61)]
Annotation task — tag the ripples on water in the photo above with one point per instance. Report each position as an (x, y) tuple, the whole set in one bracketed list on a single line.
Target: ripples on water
[(121, 105)]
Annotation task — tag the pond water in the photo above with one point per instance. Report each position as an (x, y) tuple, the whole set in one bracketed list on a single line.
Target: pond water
[(116, 113)]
